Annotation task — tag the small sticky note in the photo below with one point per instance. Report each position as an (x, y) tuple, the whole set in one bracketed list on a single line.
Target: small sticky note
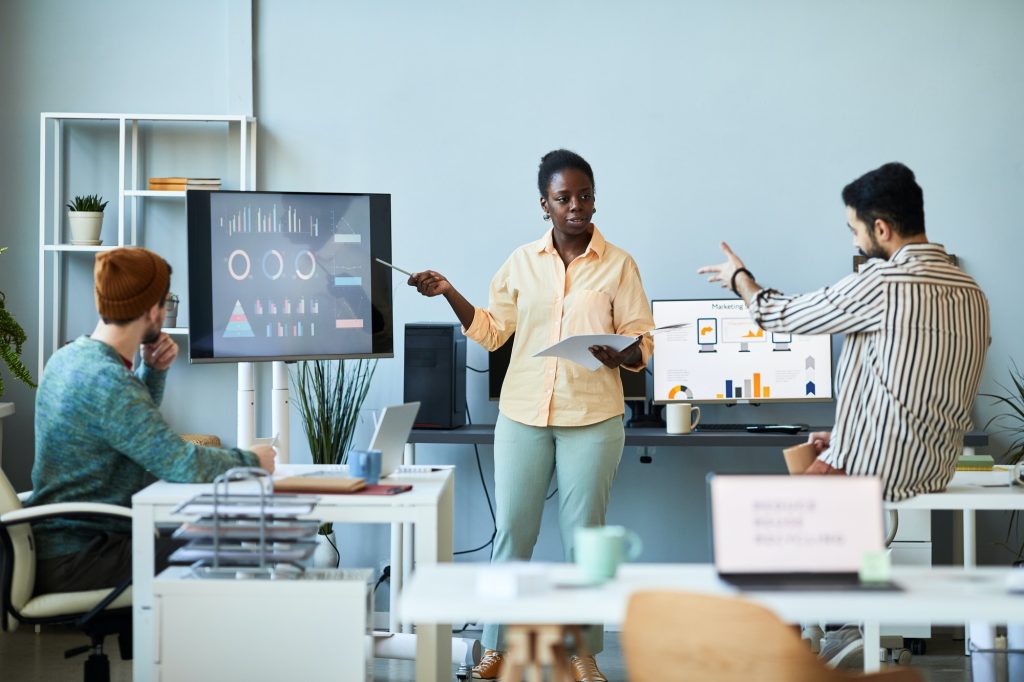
[(875, 567)]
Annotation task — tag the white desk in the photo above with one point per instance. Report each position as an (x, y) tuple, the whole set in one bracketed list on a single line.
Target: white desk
[(428, 507), (444, 593), (969, 499)]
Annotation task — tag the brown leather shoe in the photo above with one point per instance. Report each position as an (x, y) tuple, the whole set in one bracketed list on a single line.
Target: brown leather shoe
[(584, 669), (489, 667)]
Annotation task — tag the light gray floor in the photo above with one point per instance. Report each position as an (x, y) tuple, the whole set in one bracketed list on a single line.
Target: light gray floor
[(27, 657)]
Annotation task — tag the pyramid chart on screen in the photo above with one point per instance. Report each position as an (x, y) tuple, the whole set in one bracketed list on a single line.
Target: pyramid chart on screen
[(238, 325)]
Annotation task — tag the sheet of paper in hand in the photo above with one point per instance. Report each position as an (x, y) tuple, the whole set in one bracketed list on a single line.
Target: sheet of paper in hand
[(575, 348)]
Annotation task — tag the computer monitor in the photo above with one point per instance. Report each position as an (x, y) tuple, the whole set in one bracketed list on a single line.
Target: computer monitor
[(723, 356), (288, 276), (634, 384)]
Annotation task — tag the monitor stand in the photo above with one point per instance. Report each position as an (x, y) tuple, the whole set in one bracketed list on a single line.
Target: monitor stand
[(640, 417), (246, 425)]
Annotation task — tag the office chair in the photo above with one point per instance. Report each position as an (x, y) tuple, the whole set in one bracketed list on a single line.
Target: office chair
[(97, 613), (675, 636)]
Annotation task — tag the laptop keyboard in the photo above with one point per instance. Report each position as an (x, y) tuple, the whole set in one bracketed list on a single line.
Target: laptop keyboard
[(839, 583), (721, 427), (767, 428)]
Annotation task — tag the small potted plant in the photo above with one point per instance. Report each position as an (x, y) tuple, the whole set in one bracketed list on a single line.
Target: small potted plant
[(85, 215)]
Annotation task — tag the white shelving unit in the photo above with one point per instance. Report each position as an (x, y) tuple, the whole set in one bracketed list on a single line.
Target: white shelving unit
[(53, 250)]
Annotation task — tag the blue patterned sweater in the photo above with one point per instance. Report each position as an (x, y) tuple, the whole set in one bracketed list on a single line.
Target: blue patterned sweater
[(101, 438)]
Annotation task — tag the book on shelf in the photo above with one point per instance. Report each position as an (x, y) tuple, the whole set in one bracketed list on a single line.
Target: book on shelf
[(182, 184)]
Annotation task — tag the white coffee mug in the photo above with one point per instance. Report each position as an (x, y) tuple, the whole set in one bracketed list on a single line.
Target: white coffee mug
[(681, 417), (599, 550)]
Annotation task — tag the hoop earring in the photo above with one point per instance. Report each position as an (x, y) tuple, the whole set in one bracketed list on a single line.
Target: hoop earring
[(547, 216)]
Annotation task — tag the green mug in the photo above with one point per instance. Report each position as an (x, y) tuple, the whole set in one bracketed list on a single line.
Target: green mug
[(600, 549)]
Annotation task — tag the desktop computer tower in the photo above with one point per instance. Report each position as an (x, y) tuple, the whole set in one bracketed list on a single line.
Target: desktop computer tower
[(435, 374)]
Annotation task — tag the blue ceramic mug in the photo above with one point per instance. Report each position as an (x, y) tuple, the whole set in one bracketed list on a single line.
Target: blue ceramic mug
[(365, 464)]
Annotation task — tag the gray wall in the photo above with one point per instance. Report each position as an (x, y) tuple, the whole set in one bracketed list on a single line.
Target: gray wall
[(703, 121)]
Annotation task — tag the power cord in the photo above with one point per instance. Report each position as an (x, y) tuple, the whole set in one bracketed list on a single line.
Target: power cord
[(474, 369), (385, 575), (487, 494)]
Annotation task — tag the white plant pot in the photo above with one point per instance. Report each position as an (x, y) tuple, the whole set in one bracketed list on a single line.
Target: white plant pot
[(85, 225), (325, 555)]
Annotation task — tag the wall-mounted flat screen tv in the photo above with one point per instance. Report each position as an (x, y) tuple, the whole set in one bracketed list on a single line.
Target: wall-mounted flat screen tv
[(288, 276)]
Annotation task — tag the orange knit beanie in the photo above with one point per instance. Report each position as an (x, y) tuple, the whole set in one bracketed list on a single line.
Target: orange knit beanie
[(129, 281)]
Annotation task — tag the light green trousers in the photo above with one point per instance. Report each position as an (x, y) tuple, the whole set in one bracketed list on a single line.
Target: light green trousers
[(583, 460)]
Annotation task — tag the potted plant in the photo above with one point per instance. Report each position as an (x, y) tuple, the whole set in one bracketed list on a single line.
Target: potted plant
[(12, 338), (330, 394), (85, 215), (1011, 423)]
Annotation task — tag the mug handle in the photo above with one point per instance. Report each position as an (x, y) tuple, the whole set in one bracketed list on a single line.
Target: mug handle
[(694, 422), (636, 546)]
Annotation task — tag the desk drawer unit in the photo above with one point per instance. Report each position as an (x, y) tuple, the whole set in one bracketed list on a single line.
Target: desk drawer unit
[(912, 547), (225, 629)]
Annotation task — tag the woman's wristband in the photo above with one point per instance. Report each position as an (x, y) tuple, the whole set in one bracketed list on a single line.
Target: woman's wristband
[(732, 282)]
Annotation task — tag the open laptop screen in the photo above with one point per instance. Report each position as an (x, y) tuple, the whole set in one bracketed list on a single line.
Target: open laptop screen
[(794, 524), (391, 435)]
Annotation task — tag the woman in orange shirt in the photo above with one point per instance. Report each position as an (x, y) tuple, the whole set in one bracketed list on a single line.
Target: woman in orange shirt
[(555, 416)]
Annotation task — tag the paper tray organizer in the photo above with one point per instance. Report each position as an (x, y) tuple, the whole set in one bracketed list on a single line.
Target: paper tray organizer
[(256, 534)]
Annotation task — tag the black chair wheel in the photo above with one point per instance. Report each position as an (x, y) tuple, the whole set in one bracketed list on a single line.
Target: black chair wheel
[(97, 668)]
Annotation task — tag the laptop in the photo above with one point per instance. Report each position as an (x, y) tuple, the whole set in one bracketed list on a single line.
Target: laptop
[(391, 435), (795, 532)]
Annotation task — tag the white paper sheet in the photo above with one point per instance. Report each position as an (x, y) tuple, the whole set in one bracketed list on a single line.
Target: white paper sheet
[(575, 348)]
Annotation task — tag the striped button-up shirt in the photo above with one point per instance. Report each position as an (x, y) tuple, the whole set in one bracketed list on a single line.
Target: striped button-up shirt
[(540, 299), (917, 329)]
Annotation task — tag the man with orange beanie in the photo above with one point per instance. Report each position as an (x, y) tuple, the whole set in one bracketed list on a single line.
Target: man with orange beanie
[(99, 431)]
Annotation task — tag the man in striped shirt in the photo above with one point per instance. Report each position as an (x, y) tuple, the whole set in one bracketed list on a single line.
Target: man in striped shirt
[(917, 329)]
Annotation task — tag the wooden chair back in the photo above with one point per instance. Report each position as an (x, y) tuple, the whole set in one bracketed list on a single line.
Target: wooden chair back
[(677, 636)]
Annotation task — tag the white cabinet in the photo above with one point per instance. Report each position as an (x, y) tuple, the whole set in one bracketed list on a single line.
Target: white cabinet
[(299, 629), (55, 156)]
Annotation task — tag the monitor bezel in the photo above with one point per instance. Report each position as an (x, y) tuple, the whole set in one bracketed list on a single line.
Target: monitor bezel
[(738, 401), (200, 280)]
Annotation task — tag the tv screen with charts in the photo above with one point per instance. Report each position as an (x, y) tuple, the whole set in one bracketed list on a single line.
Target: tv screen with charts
[(288, 276), (722, 356)]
